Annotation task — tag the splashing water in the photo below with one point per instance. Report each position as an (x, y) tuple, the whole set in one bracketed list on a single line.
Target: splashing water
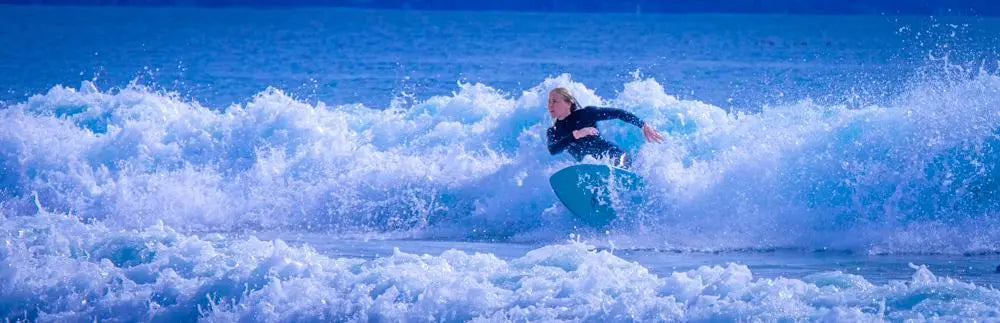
[(472, 165)]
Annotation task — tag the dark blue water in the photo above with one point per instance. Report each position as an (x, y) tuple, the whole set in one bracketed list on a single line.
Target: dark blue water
[(222, 56)]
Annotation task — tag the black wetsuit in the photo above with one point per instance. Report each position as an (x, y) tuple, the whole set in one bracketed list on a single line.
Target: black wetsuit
[(560, 135)]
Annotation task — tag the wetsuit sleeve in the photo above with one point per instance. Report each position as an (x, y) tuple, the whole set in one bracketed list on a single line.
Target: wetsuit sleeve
[(612, 113), (557, 145)]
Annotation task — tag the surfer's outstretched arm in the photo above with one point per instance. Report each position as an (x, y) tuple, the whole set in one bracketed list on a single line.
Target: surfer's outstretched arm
[(601, 114), (648, 130)]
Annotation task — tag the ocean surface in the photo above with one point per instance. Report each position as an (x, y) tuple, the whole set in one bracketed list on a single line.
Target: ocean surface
[(319, 164)]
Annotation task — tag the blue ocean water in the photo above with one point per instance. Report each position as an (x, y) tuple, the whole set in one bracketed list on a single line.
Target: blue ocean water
[(164, 164)]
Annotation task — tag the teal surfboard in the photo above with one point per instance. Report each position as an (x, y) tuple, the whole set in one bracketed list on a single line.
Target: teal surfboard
[(592, 192)]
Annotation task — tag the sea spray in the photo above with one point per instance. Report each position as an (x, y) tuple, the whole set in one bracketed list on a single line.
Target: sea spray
[(472, 166)]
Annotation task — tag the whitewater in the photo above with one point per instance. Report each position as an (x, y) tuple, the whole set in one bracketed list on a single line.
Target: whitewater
[(147, 201), (113, 202)]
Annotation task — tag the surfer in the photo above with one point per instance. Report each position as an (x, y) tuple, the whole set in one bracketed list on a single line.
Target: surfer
[(575, 129)]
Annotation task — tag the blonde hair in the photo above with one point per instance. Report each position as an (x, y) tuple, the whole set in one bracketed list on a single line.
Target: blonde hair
[(568, 97)]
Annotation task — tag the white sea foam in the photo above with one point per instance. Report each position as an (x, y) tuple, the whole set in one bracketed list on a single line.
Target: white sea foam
[(916, 175), (55, 268)]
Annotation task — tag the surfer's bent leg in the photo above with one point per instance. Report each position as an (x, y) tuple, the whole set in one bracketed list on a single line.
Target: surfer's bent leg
[(619, 158), (624, 161)]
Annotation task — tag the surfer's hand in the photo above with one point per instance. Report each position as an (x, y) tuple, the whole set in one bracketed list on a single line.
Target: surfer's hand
[(651, 134), (583, 132)]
